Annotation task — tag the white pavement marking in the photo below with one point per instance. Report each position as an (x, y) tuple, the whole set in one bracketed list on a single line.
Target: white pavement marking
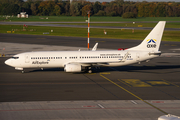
[(133, 102), (100, 106)]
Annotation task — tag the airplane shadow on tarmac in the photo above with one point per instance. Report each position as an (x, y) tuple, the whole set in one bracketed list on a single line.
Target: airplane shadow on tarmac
[(142, 69)]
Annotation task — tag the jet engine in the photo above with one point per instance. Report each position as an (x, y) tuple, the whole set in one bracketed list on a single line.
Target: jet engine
[(72, 68)]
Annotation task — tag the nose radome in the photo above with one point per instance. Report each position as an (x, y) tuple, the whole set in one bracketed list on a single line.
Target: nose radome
[(8, 62)]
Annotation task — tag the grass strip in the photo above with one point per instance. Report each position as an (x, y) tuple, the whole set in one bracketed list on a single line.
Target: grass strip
[(82, 32)]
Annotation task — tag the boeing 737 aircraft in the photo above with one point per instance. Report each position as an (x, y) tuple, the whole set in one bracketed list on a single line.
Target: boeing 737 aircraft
[(75, 61)]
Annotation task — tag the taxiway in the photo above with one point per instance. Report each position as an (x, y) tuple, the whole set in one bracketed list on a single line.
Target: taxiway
[(108, 93)]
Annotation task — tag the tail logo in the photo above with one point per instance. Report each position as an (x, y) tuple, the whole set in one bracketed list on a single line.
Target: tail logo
[(151, 43)]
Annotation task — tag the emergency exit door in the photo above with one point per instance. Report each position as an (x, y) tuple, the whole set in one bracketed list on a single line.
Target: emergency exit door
[(137, 56)]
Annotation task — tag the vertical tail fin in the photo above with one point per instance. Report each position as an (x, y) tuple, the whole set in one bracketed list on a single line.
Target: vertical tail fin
[(153, 40)]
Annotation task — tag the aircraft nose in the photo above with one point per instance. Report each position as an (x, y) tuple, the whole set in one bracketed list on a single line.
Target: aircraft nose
[(8, 62)]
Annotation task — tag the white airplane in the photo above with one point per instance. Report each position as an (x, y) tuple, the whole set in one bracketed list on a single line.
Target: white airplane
[(77, 61)]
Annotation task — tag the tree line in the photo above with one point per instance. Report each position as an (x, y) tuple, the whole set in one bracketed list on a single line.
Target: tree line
[(121, 8)]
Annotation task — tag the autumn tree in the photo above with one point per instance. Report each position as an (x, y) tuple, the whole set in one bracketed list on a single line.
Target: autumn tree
[(96, 7), (81, 7), (85, 10), (75, 9), (46, 8), (57, 10), (34, 8), (26, 7)]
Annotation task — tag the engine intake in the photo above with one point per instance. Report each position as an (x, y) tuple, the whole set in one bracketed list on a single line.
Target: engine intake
[(72, 68)]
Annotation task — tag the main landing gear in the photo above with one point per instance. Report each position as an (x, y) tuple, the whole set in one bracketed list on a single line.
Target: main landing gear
[(88, 70)]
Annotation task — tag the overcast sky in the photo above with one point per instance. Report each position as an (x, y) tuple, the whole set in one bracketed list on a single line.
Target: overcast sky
[(137, 0)]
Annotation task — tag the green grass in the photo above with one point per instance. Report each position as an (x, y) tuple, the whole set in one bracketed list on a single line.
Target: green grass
[(82, 19), (82, 32)]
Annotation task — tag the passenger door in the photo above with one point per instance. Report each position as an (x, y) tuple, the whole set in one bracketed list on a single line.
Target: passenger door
[(27, 58)]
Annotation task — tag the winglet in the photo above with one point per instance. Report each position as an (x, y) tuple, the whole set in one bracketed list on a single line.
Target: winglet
[(95, 47)]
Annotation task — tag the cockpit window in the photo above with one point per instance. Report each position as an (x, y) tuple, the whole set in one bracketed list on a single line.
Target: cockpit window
[(15, 57)]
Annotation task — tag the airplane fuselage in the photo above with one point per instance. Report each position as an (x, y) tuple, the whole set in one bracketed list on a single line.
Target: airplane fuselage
[(47, 59)]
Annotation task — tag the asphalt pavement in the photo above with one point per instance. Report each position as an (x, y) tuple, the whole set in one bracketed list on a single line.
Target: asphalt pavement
[(34, 94)]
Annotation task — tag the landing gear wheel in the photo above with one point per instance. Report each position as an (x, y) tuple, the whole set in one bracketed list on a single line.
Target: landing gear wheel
[(22, 71), (89, 71)]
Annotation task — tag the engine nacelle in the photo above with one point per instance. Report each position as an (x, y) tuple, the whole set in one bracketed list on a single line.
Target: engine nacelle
[(19, 68), (72, 68)]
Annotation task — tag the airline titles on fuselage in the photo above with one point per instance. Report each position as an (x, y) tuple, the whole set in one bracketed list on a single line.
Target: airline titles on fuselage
[(37, 62)]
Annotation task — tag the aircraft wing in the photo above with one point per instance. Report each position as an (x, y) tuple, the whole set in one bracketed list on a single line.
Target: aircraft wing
[(90, 63), (95, 63)]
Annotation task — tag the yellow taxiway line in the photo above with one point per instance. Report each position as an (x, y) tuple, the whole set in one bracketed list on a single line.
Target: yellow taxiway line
[(133, 94)]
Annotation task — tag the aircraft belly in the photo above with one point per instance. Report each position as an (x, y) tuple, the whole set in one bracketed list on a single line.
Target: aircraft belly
[(120, 63)]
